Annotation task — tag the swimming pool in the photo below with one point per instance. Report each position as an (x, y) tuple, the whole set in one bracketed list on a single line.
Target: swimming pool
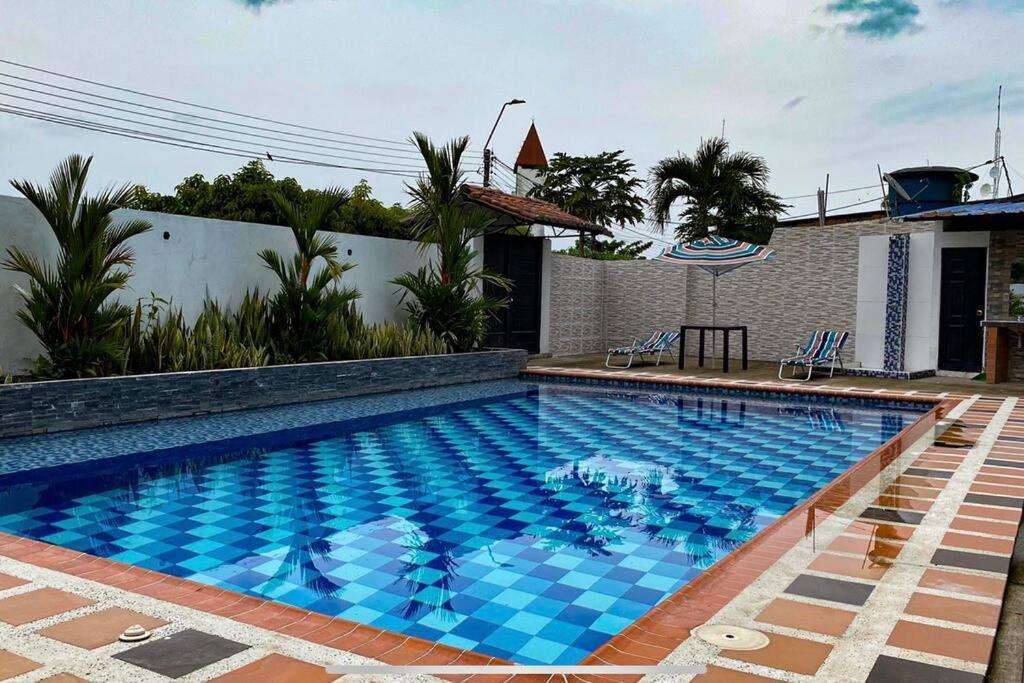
[(532, 524)]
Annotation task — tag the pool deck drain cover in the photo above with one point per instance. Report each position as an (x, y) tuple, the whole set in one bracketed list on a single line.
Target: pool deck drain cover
[(731, 637)]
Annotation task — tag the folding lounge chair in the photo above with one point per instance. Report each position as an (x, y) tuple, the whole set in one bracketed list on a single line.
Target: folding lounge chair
[(656, 343), (823, 350)]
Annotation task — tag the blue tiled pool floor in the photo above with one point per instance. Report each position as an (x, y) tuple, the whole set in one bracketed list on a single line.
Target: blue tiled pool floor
[(531, 526)]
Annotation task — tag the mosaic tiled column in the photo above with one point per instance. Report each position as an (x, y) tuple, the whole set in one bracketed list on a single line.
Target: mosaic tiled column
[(896, 302)]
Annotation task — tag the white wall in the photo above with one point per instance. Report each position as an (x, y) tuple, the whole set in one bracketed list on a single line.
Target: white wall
[(200, 257), (545, 298), (923, 296), (922, 348), (872, 268)]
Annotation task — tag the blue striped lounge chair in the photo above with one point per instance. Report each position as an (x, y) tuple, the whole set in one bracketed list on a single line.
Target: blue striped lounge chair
[(823, 350), (655, 343)]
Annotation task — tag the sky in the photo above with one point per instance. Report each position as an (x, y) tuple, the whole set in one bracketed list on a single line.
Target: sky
[(815, 87)]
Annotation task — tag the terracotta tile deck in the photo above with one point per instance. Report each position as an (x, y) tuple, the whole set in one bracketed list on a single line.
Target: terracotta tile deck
[(900, 562)]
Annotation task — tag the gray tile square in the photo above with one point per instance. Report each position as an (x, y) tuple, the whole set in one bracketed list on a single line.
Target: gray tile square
[(894, 670), (921, 472), (986, 499), (849, 592), (180, 654), (966, 560), (901, 516)]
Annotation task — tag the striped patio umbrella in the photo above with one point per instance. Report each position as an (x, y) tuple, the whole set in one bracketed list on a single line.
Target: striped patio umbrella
[(717, 255)]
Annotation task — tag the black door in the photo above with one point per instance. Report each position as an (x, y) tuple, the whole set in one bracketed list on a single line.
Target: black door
[(519, 260), (962, 308)]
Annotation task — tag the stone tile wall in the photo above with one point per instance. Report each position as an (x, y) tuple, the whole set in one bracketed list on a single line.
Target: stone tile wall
[(1005, 249), (577, 311), (810, 283), (39, 407)]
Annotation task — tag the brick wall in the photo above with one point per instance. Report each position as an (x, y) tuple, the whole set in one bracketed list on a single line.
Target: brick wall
[(810, 283)]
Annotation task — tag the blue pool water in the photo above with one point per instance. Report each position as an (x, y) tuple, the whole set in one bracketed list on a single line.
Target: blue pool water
[(531, 526)]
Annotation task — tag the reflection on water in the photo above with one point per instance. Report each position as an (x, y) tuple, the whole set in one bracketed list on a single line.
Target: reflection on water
[(580, 509)]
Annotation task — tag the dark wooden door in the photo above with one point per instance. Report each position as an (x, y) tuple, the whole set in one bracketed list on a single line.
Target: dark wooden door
[(962, 308), (519, 260)]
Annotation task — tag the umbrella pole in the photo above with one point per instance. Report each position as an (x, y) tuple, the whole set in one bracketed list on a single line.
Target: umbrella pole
[(714, 319)]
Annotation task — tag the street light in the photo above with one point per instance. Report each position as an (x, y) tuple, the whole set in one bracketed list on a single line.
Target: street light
[(487, 145)]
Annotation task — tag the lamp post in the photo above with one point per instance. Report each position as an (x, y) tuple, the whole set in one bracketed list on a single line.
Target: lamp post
[(487, 145)]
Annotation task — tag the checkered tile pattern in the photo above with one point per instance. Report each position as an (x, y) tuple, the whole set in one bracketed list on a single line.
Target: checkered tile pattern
[(530, 527)]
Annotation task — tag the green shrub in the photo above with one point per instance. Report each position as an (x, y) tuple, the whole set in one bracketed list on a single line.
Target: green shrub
[(353, 339), (161, 340)]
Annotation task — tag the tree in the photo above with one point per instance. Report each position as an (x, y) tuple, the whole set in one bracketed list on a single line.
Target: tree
[(612, 250), (309, 300), (600, 188), (245, 196), (718, 188), (66, 305), (444, 297)]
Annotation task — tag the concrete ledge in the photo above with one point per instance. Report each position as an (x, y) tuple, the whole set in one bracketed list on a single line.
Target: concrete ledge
[(41, 407)]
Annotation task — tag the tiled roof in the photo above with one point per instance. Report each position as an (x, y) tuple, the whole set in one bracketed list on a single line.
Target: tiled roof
[(532, 153), (527, 211)]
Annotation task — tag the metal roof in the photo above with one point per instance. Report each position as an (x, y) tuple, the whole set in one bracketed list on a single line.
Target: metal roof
[(996, 207)]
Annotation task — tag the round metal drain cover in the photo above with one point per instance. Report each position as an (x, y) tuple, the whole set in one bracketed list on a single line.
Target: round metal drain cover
[(731, 637)]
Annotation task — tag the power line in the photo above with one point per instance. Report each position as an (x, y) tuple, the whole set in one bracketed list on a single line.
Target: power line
[(831, 192), (846, 206), (184, 143), (202, 135), (140, 93), (402, 153)]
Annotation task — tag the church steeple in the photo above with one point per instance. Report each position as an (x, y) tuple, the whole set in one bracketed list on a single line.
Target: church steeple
[(532, 153)]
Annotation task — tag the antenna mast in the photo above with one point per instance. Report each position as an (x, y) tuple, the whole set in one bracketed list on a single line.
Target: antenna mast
[(997, 157)]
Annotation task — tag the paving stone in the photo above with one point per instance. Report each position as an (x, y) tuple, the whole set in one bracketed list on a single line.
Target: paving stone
[(12, 665), (99, 628), (279, 669), (181, 653), (966, 560), (894, 670), (821, 588), (39, 604)]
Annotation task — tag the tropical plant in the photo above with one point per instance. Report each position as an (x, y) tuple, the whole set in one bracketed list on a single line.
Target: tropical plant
[(446, 296), (718, 188), (310, 295), (1016, 304), (67, 306)]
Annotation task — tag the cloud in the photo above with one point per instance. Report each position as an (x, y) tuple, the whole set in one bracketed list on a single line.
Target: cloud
[(258, 4), (994, 5), (876, 18), (955, 99), (793, 103)]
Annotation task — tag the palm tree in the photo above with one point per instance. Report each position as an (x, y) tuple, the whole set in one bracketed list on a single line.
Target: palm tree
[(310, 298), (720, 188), (66, 305), (446, 296)]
